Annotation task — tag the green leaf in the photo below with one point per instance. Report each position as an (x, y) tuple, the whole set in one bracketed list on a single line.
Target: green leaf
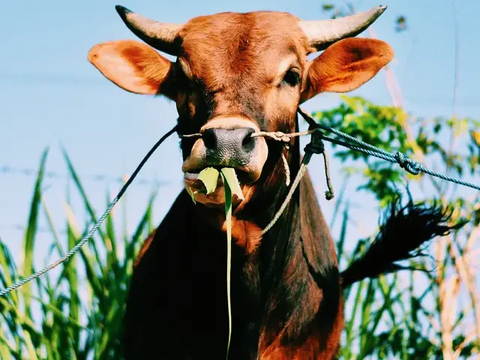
[(31, 231), (230, 178), (191, 193), (209, 177), (228, 215)]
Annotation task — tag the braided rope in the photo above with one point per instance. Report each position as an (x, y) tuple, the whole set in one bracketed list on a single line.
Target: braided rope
[(314, 147), (404, 161), (286, 169), (87, 237)]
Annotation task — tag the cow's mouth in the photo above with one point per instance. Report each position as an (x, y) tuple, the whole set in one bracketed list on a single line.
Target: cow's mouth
[(216, 198), (225, 142), (243, 176)]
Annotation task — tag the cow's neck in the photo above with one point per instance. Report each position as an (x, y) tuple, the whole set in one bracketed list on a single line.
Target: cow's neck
[(278, 286), (284, 281)]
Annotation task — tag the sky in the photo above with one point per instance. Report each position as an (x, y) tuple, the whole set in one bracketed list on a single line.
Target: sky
[(51, 96)]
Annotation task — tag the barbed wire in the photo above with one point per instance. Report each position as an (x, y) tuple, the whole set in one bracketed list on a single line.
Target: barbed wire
[(21, 228), (30, 172)]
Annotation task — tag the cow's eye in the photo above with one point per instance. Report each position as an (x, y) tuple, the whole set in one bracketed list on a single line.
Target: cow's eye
[(292, 78)]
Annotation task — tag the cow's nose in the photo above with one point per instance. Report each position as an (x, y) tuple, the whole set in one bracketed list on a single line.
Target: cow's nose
[(230, 147)]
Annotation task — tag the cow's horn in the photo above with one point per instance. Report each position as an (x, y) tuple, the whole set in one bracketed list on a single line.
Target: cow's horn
[(157, 34), (322, 33)]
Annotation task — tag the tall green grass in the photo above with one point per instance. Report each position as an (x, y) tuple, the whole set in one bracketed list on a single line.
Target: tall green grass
[(76, 311), (80, 306)]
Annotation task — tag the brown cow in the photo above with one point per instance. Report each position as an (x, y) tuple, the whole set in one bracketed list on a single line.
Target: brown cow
[(235, 74)]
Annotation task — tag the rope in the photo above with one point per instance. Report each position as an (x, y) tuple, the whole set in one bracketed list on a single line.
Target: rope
[(404, 161), (286, 169), (300, 173), (87, 237), (315, 146), (274, 135), (280, 136), (329, 193)]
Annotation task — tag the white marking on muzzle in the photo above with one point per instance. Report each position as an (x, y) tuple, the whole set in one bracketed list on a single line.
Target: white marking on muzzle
[(228, 122)]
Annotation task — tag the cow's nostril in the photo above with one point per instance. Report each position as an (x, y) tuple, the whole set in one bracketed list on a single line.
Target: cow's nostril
[(248, 142), (209, 138)]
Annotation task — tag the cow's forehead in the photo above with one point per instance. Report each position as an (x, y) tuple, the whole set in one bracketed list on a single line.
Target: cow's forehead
[(228, 47), (252, 32)]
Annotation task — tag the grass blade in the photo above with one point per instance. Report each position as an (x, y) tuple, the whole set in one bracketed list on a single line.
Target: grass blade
[(90, 210), (228, 215), (30, 232)]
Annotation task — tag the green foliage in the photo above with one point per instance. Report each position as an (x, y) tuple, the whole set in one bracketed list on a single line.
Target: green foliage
[(68, 326), (376, 125), (230, 180), (386, 128), (400, 24), (391, 317), (81, 306), (209, 177)]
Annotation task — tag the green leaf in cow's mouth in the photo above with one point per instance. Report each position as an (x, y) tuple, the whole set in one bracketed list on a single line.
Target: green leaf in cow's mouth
[(230, 177), (209, 177), (191, 193)]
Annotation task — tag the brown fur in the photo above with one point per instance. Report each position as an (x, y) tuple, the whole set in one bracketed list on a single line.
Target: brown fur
[(286, 293), (346, 65), (131, 65)]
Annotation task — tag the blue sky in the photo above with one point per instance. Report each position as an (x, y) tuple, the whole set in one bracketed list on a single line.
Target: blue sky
[(51, 95)]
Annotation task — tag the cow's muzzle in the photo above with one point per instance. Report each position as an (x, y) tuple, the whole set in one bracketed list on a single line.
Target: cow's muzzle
[(227, 142), (229, 147)]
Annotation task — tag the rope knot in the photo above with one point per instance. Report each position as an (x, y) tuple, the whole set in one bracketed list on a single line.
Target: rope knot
[(406, 163), (280, 136), (316, 146)]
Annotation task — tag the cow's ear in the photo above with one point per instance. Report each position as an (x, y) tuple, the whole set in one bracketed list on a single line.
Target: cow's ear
[(346, 65), (133, 66)]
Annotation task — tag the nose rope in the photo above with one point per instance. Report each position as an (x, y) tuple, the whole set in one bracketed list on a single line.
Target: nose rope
[(315, 146), (285, 138), (281, 136), (286, 168), (196, 135), (274, 135)]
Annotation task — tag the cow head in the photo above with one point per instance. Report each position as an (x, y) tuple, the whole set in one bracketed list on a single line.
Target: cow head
[(236, 74)]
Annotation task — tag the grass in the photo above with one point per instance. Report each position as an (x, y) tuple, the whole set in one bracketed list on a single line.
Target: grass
[(67, 326), (76, 312)]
